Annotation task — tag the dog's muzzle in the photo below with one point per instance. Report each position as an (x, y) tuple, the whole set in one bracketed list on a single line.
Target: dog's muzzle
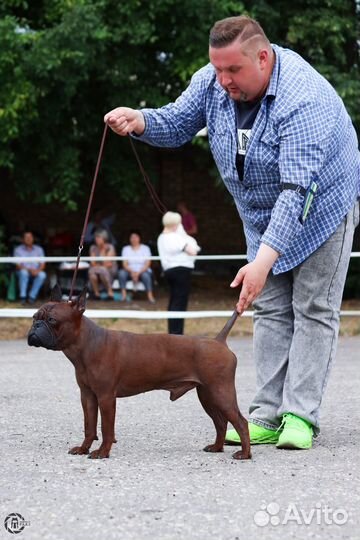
[(40, 335)]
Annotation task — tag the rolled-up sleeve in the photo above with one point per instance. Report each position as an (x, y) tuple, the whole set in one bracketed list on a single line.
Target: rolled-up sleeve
[(285, 222)]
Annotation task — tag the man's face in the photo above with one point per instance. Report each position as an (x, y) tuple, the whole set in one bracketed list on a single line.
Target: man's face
[(243, 77), (28, 239)]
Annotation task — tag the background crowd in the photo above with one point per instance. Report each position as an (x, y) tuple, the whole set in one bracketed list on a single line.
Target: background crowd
[(176, 247)]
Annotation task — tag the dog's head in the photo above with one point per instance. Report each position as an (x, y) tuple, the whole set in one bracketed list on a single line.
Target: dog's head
[(56, 324)]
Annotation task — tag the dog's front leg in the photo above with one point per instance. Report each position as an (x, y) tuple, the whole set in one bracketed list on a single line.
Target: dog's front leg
[(107, 405), (90, 409)]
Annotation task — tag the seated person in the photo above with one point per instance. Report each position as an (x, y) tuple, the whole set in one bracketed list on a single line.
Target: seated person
[(136, 266), (102, 272), (99, 221), (29, 271)]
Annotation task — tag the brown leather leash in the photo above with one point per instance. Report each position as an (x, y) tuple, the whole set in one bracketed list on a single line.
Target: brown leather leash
[(159, 205), (156, 200)]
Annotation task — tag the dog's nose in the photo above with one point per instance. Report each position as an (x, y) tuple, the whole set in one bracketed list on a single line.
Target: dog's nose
[(33, 340)]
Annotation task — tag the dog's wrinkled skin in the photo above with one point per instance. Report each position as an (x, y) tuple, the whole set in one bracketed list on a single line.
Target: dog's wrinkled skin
[(111, 364)]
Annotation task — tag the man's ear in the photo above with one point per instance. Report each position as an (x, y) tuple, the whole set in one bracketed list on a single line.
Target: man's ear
[(56, 294), (80, 302)]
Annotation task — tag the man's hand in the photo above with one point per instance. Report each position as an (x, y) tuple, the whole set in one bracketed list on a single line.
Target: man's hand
[(124, 120), (253, 276)]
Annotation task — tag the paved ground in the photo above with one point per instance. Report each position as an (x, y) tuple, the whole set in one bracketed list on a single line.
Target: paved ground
[(158, 484)]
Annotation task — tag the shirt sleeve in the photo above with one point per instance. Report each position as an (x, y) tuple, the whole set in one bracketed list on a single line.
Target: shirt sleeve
[(146, 252), (125, 252), (111, 251), (304, 145), (177, 123)]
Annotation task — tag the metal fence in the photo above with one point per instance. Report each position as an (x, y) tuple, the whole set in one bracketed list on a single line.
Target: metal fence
[(132, 314)]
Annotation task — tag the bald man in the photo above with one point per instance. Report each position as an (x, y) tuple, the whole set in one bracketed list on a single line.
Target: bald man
[(287, 152)]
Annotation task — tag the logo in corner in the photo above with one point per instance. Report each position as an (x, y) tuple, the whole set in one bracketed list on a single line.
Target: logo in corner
[(15, 523)]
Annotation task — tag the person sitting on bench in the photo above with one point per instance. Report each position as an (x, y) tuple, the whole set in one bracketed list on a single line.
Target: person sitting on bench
[(136, 266)]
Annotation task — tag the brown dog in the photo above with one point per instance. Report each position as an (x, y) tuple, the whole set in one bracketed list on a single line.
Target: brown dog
[(111, 364)]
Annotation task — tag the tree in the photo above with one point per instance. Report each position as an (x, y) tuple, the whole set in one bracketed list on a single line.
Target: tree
[(64, 63), (325, 33)]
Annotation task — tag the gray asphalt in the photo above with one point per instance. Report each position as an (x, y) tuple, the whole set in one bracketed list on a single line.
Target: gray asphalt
[(158, 483)]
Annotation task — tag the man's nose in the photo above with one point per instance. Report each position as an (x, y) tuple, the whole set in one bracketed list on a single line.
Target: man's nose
[(225, 79)]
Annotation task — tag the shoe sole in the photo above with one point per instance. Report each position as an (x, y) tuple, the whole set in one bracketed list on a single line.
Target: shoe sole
[(292, 446), (234, 443)]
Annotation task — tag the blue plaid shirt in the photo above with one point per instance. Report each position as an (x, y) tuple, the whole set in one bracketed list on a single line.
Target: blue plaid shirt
[(302, 133)]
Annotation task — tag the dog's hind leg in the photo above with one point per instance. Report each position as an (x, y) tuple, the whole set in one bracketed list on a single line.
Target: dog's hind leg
[(241, 425), (227, 401), (217, 417), (221, 405)]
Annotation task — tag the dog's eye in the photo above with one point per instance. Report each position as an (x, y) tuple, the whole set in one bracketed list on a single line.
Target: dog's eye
[(51, 320)]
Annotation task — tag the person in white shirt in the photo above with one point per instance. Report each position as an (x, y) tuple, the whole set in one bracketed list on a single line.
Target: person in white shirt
[(177, 251), (136, 266)]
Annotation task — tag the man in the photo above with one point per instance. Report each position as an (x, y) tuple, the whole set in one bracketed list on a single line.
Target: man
[(287, 152), (29, 271)]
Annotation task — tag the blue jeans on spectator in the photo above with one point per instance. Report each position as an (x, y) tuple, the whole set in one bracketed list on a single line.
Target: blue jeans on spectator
[(24, 277), (145, 278)]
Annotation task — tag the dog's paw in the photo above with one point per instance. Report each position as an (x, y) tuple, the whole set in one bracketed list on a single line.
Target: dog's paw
[(99, 454), (213, 448), (78, 451), (240, 455)]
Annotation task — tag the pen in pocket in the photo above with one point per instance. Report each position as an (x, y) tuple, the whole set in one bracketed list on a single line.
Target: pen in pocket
[(309, 197)]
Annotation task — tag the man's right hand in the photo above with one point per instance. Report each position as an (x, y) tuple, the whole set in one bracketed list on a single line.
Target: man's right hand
[(124, 120)]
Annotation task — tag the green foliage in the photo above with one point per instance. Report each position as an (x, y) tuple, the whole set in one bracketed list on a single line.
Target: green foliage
[(64, 63), (324, 32)]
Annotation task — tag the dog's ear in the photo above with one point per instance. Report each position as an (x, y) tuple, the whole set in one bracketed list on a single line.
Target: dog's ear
[(80, 303), (56, 294)]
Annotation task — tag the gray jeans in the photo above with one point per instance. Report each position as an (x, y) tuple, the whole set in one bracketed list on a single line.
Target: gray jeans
[(296, 324)]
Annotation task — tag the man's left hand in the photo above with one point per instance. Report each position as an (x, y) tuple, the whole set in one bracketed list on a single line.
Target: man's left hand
[(253, 276)]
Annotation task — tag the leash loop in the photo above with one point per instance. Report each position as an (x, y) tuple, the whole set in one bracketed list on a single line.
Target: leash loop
[(81, 245), (156, 200)]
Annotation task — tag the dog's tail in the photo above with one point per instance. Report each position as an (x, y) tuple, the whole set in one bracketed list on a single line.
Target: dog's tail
[(223, 334)]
